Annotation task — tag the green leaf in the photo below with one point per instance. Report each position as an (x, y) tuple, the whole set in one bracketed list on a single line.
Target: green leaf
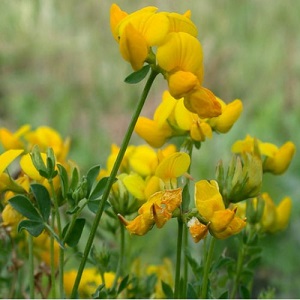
[(94, 205), (167, 290), (35, 228), (75, 234), (123, 284), (97, 192), (43, 200), (224, 295), (74, 179), (24, 206), (91, 176), (244, 292), (191, 293), (38, 162), (51, 162), (137, 76), (64, 180), (196, 268)]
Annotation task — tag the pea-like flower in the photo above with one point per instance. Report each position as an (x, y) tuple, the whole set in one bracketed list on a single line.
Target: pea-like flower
[(222, 222), (276, 159), (157, 210)]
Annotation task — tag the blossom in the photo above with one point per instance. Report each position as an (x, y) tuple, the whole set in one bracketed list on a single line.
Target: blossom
[(90, 280), (276, 161), (157, 210), (197, 230), (7, 157), (14, 140), (222, 222)]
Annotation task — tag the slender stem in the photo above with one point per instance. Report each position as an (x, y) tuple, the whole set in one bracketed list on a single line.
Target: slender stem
[(111, 179), (31, 266), (52, 261), (207, 268), (61, 250), (178, 259), (121, 256)]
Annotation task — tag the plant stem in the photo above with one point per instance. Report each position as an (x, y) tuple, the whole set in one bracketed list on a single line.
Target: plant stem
[(121, 256), (31, 266), (61, 250), (111, 179), (178, 259), (52, 262), (206, 270)]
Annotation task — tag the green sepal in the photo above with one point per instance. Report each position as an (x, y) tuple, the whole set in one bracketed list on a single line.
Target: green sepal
[(75, 234), (51, 162), (91, 177), (24, 206), (123, 284), (35, 228), (43, 200), (137, 76), (38, 162)]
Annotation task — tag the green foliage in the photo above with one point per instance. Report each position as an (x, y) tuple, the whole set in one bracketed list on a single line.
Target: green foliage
[(138, 76)]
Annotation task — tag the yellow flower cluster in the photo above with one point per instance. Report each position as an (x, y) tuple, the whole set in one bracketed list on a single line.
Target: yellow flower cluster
[(179, 55), (19, 144), (276, 160), (171, 118)]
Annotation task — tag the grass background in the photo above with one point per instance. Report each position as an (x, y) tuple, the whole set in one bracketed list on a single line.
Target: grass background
[(59, 66)]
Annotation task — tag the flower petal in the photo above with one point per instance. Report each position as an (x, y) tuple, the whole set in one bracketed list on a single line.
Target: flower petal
[(8, 157)]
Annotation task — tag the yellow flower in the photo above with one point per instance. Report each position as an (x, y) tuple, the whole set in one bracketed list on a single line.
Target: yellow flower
[(277, 160), (90, 280), (181, 57), (157, 210), (11, 218), (164, 273), (14, 140), (209, 203), (7, 157), (137, 32), (275, 218), (46, 137), (230, 113)]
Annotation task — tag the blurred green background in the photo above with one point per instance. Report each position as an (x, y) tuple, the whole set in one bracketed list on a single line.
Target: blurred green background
[(59, 66)]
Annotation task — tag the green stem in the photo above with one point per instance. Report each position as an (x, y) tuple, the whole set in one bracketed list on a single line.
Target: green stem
[(178, 259), (31, 266), (121, 256), (111, 179), (207, 266), (52, 262), (61, 250)]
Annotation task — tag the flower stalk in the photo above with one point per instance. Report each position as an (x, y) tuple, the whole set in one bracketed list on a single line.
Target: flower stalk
[(111, 179)]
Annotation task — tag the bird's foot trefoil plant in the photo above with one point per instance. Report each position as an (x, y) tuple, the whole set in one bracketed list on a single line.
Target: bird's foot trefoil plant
[(71, 233)]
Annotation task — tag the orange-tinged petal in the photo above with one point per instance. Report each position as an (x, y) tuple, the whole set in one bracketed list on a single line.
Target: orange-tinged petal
[(172, 199), (197, 230), (160, 215), (203, 102), (173, 166), (208, 198), (234, 227), (221, 219), (133, 47), (11, 140), (8, 157), (140, 225), (181, 83), (153, 134), (29, 168), (181, 51)]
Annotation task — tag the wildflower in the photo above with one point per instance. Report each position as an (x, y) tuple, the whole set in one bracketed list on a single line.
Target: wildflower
[(157, 210), (90, 280), (181, 57), (7, 158), (163, 273), (275, 218), (11, 218), (276, 160), (14, 140), (209, 202)]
